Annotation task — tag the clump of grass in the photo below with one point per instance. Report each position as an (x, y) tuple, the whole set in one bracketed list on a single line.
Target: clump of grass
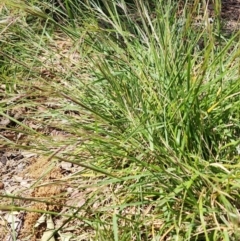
[(159, 119), (167, 107)]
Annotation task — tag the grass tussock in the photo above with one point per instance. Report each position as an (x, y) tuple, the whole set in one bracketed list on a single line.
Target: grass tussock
[(150, 101)]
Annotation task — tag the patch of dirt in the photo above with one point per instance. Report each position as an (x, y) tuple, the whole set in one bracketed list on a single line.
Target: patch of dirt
[(42, 178), (52, 193), (230, 14)]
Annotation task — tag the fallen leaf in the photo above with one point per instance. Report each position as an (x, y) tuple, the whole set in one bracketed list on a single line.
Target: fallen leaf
[(65, 236), (40, 221), (48, 234)]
